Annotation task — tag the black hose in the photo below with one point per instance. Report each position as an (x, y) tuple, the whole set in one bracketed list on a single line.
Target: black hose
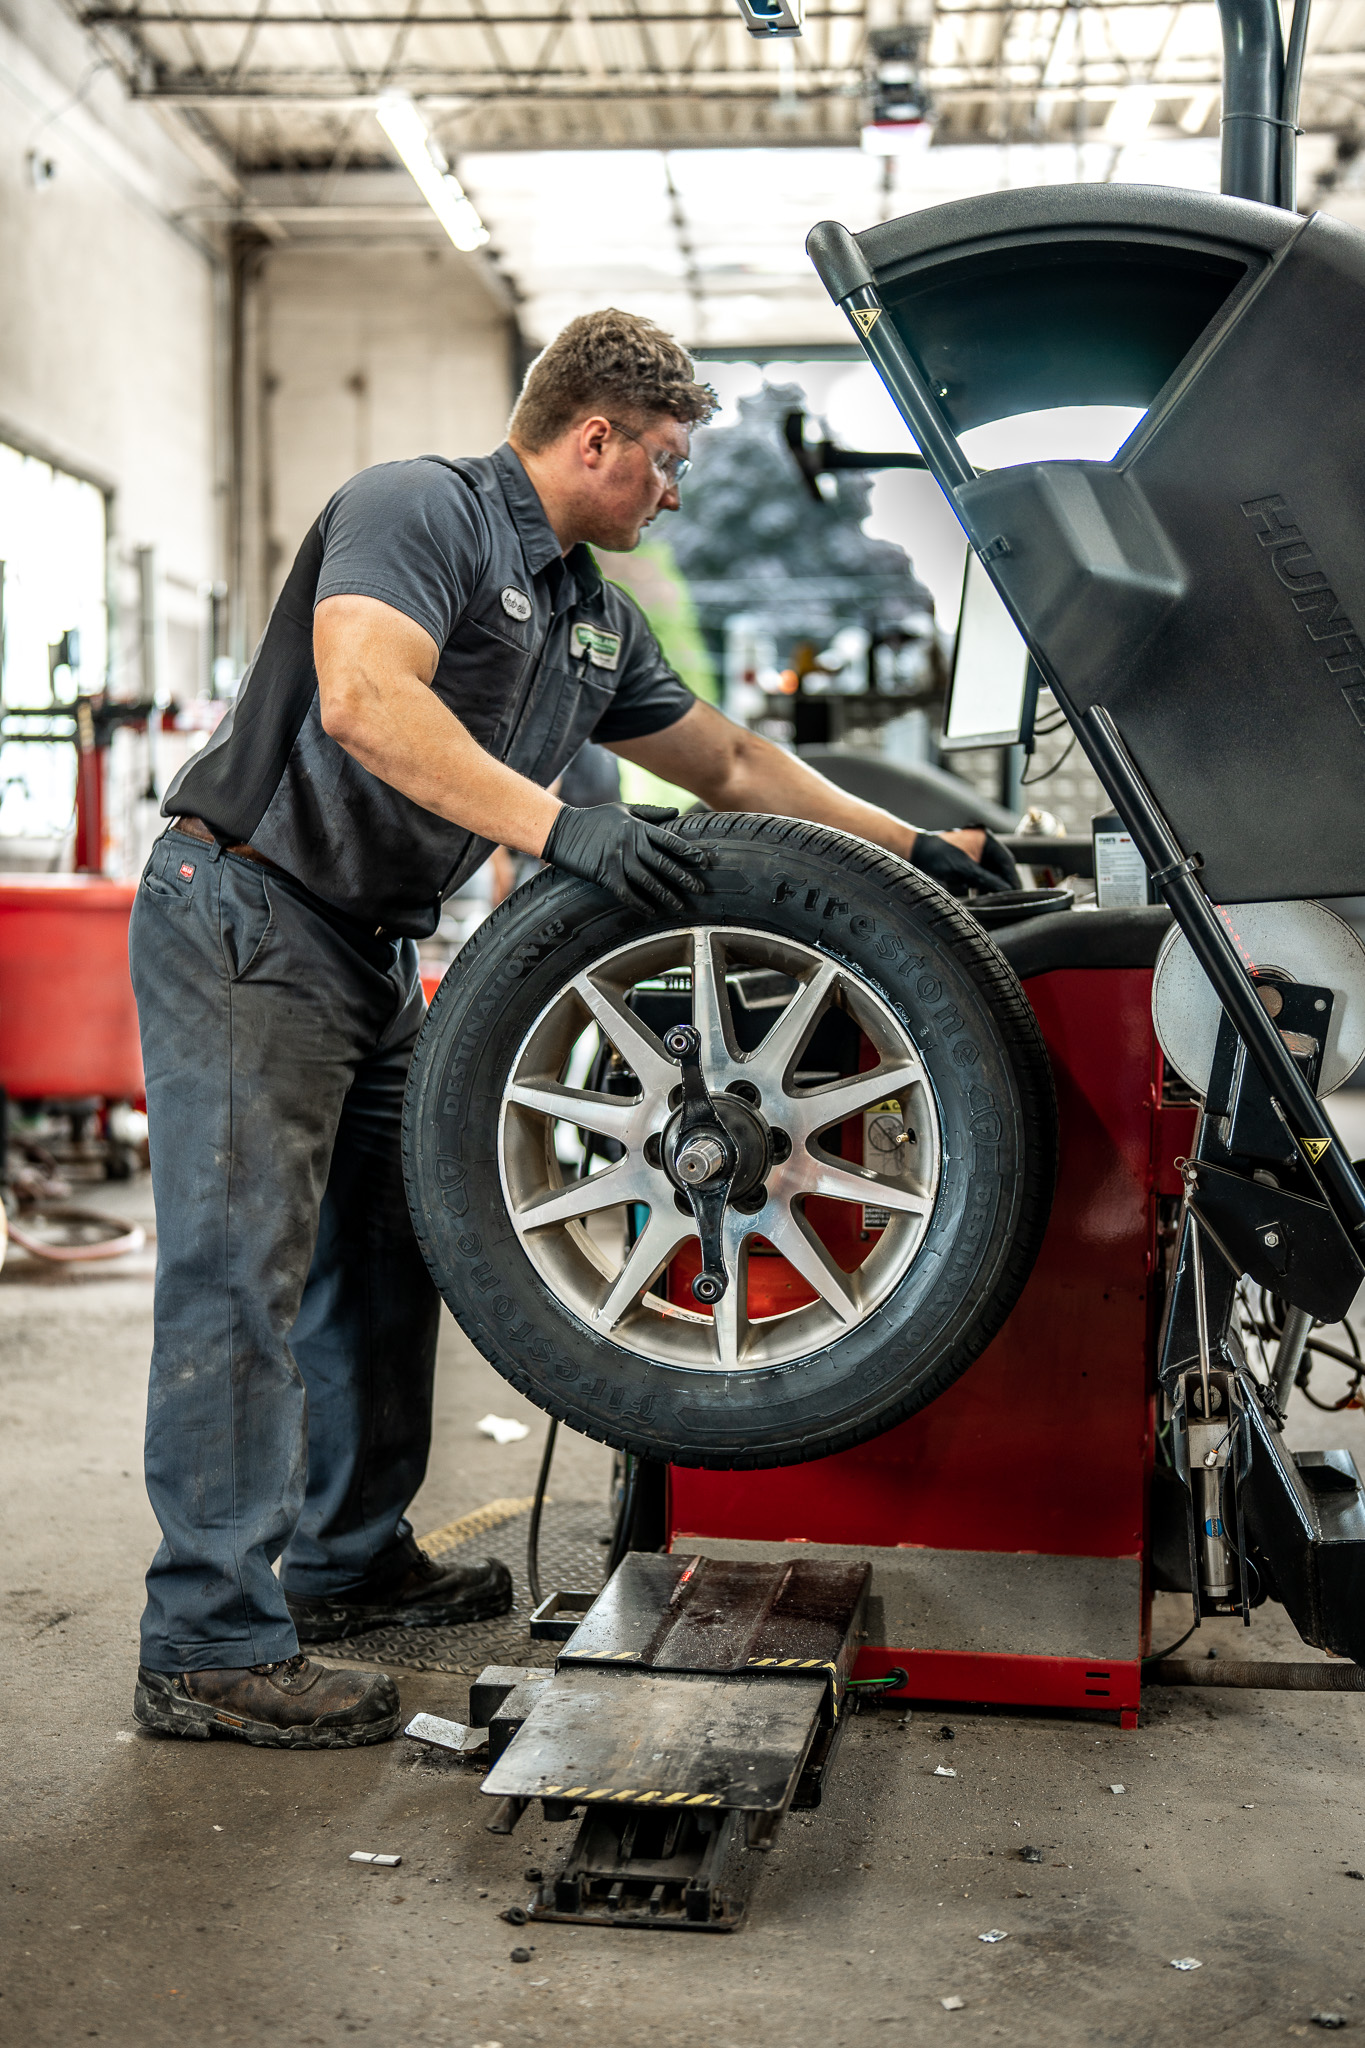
[(1338, 1676), (1160, 1656), (1253, 93), (1289, 105), (533, 1533), (620, 1542)]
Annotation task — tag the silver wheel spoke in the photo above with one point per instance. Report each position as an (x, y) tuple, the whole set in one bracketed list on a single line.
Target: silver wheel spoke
[(784, 1231), (813, 1176), (630, 1181), (769, 1064), (610, 1116), (573, 1234), (650, 1253), (731, 1312), (638, 1047), (814, 1112), (711, 1010)]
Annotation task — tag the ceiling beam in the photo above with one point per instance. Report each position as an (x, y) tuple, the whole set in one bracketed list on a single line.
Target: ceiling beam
[(462, 89), (135, 17)]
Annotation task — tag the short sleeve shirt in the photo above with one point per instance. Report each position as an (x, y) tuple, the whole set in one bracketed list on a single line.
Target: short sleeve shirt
[(537, 655)]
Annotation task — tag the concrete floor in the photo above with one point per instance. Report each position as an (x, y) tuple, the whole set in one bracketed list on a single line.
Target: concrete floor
[(163, 1892)]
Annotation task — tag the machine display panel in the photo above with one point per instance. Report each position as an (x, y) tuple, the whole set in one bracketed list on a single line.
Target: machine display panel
[(987, 690)]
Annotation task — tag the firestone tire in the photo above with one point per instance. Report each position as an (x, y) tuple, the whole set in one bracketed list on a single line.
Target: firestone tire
[(931, 965)]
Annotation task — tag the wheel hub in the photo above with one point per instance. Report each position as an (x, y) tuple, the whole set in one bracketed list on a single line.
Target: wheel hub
[(739, 1145)]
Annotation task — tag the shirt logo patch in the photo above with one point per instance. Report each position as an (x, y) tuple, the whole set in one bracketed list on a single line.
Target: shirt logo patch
[(187, 870), (516, 604), (603, 649)]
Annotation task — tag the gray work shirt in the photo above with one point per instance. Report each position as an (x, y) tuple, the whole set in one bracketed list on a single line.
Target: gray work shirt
[(537, 655)]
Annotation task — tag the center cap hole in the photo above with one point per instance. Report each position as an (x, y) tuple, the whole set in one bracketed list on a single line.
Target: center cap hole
[(691, 1162)]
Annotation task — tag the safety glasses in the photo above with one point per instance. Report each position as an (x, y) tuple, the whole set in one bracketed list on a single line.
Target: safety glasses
[(672, 468)]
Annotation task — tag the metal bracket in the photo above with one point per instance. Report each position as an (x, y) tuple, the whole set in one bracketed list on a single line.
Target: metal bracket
[(708, 1198)]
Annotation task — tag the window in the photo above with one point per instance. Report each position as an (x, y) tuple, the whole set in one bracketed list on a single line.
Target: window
[(54, 633)]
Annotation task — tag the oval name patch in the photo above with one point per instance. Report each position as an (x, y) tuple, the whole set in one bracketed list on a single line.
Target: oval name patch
[(516, 604)]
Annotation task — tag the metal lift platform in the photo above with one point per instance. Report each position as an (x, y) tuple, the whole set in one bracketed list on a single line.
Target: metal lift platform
[(697, 1702)]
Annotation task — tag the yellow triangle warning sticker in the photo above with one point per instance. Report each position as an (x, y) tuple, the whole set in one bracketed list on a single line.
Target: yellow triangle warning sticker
[(1315, 1147), (867, 317)]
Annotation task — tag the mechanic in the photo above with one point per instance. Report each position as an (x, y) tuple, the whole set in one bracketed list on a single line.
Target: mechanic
[(441, 648)]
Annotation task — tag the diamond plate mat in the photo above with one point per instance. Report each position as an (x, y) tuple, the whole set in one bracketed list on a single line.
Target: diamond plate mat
[(572, 1555)]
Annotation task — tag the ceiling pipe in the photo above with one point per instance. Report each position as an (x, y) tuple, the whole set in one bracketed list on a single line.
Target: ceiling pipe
[(1253, 94)]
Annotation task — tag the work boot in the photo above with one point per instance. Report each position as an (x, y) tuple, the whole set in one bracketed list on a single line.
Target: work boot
[(424, 1595), (295, 1704)]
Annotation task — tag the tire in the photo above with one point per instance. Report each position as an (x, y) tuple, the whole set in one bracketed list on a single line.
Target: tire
[(925, 988)]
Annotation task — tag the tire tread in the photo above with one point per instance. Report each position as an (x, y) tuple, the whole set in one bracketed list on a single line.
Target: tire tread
[(948, 926)]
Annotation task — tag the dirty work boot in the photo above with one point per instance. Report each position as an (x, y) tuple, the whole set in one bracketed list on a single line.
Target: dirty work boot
[(292, 1705), (425, 1594)]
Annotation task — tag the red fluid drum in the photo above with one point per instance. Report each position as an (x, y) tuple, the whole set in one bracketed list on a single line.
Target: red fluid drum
[(68, 1022)]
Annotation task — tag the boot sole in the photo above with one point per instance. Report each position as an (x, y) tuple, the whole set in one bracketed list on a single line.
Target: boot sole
[(337, 1628), (168, 1714)]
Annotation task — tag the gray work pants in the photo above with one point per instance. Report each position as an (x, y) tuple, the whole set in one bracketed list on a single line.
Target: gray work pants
[(289, 1413)]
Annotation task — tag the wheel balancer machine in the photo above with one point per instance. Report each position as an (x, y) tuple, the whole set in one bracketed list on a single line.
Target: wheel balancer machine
[(1193, 604)]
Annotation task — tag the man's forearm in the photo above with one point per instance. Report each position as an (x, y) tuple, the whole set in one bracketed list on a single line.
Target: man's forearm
[(732, 769), (763, 777)]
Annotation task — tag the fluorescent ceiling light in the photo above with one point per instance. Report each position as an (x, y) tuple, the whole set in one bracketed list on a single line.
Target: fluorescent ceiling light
[(897, 138), (1197, 112), (425, 159), (1130, 115)]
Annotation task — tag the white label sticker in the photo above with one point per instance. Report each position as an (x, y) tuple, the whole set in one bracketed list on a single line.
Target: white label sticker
[(603, 649), (1120, 877), (885, 1142), (516, 604)]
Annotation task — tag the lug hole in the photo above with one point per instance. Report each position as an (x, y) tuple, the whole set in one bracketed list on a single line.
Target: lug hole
[(654, 1150), (675, 1097), (745, 1090), (750, 1204), (781, 1146), (681, 1204)]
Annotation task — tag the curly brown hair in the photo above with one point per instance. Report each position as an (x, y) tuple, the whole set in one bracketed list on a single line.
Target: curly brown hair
[(609, 362)]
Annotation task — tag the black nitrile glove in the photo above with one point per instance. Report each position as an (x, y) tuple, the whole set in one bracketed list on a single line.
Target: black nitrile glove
[(622, 848), (953, 870), (997, 859)]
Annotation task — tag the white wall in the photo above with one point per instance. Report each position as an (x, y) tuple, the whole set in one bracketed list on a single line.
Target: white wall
[(362, 355), (107, 319), (114, 363), (109, 303)]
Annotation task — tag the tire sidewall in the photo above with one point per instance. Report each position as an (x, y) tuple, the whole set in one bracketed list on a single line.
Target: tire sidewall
[(907, 943)]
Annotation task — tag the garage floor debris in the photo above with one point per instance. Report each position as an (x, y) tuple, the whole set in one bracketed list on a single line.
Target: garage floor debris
[(127, 1918)]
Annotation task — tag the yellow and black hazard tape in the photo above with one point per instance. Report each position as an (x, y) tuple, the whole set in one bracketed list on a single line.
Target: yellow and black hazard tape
[(803, 1664), (599, 1657), (794, 1664), (586, 1792)]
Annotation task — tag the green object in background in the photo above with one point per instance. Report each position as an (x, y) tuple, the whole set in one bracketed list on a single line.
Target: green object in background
[(652, 577)]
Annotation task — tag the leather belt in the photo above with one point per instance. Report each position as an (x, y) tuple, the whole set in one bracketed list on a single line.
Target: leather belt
[(195, 828)]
